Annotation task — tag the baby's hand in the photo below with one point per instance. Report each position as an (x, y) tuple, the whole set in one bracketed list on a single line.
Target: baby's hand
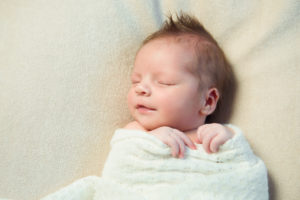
[(212, 136), (174, 138)]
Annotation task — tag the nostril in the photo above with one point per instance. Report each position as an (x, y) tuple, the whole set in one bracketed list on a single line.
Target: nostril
[(141, 90)]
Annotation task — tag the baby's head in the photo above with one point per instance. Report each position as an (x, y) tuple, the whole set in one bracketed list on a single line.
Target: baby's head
[(178, 76)]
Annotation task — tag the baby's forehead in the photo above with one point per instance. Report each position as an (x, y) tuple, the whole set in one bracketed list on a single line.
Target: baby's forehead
[(186, 40), (189, 42)]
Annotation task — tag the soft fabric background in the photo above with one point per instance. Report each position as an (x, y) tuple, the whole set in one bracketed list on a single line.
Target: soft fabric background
[(64, 74)]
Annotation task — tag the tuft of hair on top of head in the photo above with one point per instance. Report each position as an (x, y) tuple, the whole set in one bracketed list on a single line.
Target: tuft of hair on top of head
[(213, 67), (182, 23)]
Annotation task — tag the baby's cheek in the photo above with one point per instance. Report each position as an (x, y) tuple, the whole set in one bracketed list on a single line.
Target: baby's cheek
[(173, 107), (130, 100)]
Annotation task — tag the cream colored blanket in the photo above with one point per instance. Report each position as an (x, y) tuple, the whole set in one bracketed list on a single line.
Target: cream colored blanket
[(140, 166)]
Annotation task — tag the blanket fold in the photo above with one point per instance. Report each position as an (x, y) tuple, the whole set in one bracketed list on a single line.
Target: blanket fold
[(140, 166)]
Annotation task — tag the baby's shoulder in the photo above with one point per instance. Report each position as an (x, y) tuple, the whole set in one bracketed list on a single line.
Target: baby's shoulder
[(134, 125)]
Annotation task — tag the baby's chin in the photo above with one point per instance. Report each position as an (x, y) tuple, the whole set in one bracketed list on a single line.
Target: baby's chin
[(149, 126), (152, 126)]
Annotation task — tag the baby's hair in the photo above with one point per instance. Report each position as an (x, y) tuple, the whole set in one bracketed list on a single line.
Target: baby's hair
[(213, 67)]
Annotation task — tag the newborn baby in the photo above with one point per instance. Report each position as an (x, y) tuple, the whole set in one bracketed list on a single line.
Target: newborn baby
[(178, 78)]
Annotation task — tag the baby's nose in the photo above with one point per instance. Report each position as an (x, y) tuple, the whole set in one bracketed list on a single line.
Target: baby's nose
[(142, 89)]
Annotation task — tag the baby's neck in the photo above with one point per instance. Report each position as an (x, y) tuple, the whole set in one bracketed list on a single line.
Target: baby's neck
[(192, 134)]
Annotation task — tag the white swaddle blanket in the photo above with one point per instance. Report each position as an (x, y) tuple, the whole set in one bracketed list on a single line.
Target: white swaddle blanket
[(140, 166)]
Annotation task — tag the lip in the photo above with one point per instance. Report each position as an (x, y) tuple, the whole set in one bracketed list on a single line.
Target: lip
[(144, 109)]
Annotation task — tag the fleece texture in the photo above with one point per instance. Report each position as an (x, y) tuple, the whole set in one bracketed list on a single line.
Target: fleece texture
[(140, 166)]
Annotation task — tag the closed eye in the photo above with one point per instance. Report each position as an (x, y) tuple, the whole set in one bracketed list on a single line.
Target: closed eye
[(135, 82), (166, 83), (135, 78)]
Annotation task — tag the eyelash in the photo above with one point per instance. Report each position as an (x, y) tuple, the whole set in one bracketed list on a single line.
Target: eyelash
[(167, 84), (134, 81), (159, 82)]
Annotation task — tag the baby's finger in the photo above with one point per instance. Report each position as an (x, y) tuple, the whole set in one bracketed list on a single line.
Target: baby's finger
[(219, 140), (216, 142), (200, 133), (187, 141), (181, 145), (171, 142), (207, 140)]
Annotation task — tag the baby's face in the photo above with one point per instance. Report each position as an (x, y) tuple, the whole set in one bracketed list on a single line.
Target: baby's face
[(164, 92)]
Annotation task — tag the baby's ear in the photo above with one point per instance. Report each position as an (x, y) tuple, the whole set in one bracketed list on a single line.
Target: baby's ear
[(211, 99)]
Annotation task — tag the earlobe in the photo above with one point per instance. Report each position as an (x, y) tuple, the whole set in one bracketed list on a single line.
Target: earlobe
[(211, 100)]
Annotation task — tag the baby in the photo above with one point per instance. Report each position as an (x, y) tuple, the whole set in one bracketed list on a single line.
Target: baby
[(178, 78)]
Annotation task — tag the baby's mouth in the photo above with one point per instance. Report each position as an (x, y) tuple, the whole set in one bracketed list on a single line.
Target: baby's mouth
[(143, 108)]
